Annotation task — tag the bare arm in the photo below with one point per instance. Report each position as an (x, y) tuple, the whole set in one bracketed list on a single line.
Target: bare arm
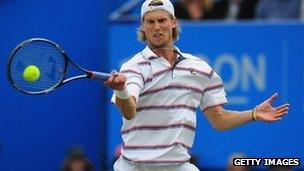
[(222, 119), (125, 102), (127, 107)]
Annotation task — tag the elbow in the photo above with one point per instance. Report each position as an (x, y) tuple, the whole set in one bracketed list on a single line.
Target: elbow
[(219, 127), (129, 116), (127, 109), (220, 123)]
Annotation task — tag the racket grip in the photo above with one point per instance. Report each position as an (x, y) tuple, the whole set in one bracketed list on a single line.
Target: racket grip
[(100, 75)]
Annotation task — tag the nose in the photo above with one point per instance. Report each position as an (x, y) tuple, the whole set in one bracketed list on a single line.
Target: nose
[(156, 26)]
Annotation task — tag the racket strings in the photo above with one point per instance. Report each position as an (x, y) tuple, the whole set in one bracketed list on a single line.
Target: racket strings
[(46, 57)]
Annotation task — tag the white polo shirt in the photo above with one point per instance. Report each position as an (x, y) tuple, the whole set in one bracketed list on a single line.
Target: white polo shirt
[(167, 97)]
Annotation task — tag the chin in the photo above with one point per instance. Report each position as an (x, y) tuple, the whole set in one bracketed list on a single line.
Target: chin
[(158, 45)]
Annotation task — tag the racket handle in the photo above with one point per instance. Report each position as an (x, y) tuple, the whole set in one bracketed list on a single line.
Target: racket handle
[(100, 75)]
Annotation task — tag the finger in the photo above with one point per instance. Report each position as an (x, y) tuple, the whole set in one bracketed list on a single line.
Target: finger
[(279, 115), (109, 81), (116, 81), (114, 72), (282, 110), (277, 119), (274, 119), (272, 98), (121, 81), (282, 106)]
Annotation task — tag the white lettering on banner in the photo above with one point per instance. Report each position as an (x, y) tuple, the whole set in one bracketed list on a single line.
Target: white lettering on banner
[(227, 59), (246, 73), (243, 71), (257, 74)]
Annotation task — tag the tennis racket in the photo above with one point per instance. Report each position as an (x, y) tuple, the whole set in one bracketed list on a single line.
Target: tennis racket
[(50, 60)]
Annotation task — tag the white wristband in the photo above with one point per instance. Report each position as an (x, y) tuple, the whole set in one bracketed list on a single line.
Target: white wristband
[(122, 94)]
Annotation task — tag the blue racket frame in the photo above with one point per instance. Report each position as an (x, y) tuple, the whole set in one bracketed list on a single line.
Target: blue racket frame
[(63, 80)]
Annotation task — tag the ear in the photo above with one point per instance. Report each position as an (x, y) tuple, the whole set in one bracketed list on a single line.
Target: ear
[(142, 28), (175, 22)]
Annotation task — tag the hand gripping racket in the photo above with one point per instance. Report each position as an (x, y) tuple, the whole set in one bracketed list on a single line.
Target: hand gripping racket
[(47, 63)]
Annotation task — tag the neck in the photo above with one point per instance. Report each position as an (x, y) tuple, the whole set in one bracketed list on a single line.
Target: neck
[(166, 52)]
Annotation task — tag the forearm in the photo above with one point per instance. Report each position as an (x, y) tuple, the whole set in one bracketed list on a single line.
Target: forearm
[(125, 102), (230, 119), (222, 119), (127, 107)]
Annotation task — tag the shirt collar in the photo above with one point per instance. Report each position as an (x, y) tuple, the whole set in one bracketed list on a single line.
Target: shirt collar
[(149, 54)]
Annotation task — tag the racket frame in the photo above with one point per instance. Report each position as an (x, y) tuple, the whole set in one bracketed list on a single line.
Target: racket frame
[(62, 81)]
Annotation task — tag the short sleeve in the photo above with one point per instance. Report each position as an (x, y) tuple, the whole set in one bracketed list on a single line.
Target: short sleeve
[(135, 80), (214, 94)]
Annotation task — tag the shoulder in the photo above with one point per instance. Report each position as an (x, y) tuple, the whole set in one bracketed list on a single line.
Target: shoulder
[(191, 56), (136, 60), (198, 62)]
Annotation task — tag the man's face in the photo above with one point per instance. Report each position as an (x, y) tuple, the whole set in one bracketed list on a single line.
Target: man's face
[(157, 26)]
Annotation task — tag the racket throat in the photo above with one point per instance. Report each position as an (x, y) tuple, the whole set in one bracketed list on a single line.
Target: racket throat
[(90, 74)]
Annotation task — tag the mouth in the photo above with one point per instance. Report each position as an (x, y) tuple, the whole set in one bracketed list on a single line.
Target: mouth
[(157, 35)]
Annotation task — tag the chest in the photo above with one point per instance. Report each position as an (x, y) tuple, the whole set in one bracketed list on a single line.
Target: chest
[(184, 82)]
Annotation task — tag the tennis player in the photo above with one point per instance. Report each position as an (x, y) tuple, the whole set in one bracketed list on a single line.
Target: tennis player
[(158, 91)]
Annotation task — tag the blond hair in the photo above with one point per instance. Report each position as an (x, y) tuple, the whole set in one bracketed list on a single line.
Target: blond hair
[(141, 36)]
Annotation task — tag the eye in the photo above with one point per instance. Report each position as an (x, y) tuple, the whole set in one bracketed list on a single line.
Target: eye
[(162, 20), (150, 21)]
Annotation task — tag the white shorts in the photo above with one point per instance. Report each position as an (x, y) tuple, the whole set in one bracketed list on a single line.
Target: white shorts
[(123, 165)]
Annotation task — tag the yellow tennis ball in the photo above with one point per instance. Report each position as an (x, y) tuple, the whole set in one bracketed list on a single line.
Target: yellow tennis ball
[(31, 73)]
